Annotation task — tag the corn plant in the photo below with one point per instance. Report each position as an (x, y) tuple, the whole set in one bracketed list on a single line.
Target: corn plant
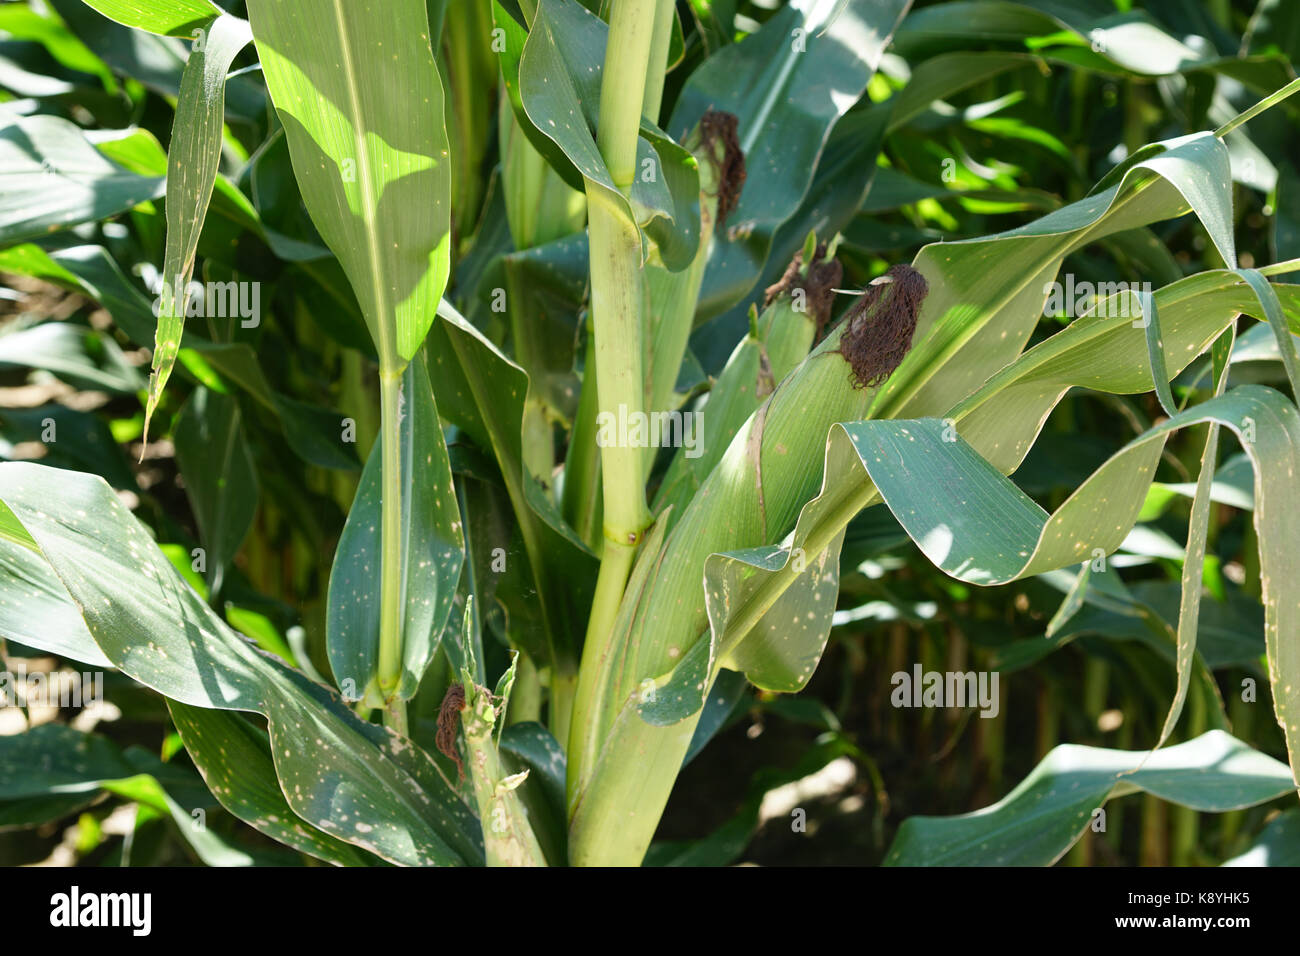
[(560, 303)]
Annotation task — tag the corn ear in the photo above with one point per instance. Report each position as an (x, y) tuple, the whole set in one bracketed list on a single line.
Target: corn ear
[(778, 340), (751, 498)]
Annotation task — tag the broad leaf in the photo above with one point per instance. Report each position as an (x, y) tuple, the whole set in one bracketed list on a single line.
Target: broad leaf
[(483, 393), (1278, 845), (177, 18), (1009, 536), (432, 553), (559, 89), (235, 761), (355, 780), (362, 105), (1051, 808), (51, 762), (54, 178)]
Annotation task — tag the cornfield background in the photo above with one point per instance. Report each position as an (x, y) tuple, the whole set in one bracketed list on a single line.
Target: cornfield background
[(194, 664)]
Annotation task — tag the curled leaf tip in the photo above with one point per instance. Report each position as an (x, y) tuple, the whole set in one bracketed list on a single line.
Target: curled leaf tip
[(453, 702), (816, 280), (878, 328), (720, 128)]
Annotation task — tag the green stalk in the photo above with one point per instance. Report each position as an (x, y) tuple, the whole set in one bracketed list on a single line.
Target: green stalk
[(615, 803), (581, 497), (390, 574), (616, 296), (508, 838), (564, 686), (656, 71)]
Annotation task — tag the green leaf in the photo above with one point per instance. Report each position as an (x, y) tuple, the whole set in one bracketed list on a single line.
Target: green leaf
[(529, 746), (1080, 35), (54, 178), (82, 441), (53, 758), (942, 76), (22, 22), (1155, 350), (192, 159), (513, 37), (177, 18), (433, 549), (220, 480), (37, 611), (1008, 536), (156, 62), (1042, 817), (357, 90), (357, 781), (91, 271), (314, 433), (559, 88), (483, 393), (986, 314), (73, 352), (235, 760), (1286, 343), (1198, 524), (52, 761), (1278, 845)]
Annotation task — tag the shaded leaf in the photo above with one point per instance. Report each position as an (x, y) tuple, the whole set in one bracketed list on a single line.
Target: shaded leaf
[(1042, 817)]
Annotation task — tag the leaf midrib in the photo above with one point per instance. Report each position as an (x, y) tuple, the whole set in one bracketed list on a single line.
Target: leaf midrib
[(369, 207)]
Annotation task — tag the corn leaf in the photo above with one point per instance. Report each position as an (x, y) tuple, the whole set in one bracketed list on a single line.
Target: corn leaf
[(433, 549), (356, 87), (234, 758), (54, 178), (559, 89), (174, 18), (1051, 808), (357, 781), (217, 464), (314, 433), (1007, 536), (483, 393), (192, 160), (1278, 845), (54, 761)]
